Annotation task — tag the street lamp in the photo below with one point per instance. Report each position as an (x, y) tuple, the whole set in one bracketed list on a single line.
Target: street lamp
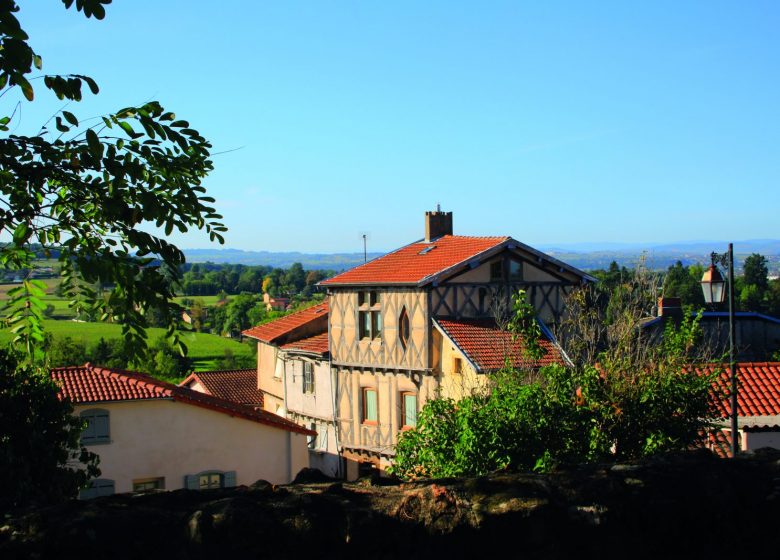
[(712, 285)]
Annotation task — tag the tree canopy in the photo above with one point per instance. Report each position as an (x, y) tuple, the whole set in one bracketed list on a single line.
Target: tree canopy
[(89, 192)]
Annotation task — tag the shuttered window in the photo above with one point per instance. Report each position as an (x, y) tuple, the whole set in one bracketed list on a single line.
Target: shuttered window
[(308, 377), (370, 412), (210, 479), (98, 487), (97, 429), (409, 416)]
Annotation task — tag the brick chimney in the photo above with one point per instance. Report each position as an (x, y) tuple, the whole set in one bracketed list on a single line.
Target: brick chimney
[(669, 307), (437, 223)]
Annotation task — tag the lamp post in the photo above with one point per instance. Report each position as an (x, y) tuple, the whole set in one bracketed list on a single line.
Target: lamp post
[(712, 285)]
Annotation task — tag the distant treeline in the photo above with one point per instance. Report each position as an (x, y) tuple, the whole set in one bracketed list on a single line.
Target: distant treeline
[(207, 279)]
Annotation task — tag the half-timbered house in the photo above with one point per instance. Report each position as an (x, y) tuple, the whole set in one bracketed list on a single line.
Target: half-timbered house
[(389, 344)]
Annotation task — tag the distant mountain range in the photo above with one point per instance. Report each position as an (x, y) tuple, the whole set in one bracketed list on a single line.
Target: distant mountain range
[(586, 256)]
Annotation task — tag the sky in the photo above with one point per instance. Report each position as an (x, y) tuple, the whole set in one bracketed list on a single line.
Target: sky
[(552, 122)]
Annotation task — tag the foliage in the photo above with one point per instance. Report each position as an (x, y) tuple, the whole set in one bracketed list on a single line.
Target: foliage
[(684, 282), (85, 192), (40, 439), (756, 271), (628, 395)]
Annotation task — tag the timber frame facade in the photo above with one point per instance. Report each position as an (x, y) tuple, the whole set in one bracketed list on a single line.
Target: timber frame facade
[(385, 350)]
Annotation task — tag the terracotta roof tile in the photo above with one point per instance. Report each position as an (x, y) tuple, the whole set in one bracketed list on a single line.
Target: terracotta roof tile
[(487, 347), (238, 385), (91, 384), (317, 344), (280, 328), (418, 261), (758, 392)]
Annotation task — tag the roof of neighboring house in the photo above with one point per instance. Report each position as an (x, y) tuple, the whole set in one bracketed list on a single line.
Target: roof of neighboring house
[(758, 392), (317, 344), (712, 315), (271, 332), (487, 347), (237, 385), (421, 262), (90, 384)]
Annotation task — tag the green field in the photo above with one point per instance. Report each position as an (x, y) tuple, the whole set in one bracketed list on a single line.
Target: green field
[(204, 349)]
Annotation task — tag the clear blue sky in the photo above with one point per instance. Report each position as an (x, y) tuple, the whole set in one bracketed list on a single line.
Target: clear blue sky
[(553, 122)]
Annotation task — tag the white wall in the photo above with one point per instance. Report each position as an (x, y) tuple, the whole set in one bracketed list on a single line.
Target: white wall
[(163, 438)]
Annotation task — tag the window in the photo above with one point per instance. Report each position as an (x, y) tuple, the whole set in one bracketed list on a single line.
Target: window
[(370, 412), (207, 480), (98, 487), (308, 377), (403, 328), (97, 428), (408, 410), (515, 271), (318, 442), (147, 484), (497, 271), (457, 365), (369, 315)]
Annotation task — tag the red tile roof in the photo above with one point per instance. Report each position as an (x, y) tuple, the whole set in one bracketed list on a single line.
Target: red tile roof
[(416, 263), (280, 328), (89, 384), (758, 392), (317, 344), (487, 346), (237, 385)]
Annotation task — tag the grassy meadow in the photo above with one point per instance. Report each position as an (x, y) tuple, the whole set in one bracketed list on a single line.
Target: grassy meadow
[(204, 349)]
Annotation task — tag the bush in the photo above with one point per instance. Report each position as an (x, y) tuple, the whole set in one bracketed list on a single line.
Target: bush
[(40, 457)]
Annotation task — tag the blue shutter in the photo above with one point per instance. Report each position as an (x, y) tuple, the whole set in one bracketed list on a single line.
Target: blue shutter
[(410, 410), (371, 408), (229, 479), (191, 482), (102, 432)]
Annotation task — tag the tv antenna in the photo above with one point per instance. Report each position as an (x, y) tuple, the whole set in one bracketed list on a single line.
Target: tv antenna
[(365, 235)]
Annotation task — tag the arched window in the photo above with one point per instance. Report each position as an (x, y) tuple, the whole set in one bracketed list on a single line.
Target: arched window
[(403, 328), (97, 429)]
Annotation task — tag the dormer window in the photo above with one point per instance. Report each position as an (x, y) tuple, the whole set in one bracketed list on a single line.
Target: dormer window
[(369, 315), (497, 271), (515, 271)]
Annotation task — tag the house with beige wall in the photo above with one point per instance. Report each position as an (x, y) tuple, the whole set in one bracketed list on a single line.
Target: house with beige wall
[(294, 373), (154, 435), (397, 325)]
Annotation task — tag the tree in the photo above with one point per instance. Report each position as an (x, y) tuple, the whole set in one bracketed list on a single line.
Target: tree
[(756, 271), (40, 439), (685, 283), (84, 192)]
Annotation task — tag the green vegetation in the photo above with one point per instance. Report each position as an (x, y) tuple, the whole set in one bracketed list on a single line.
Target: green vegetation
[(624, 398), (40, 439)]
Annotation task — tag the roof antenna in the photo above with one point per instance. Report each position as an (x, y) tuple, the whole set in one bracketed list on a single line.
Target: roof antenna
[(365, 235), (438, 207)]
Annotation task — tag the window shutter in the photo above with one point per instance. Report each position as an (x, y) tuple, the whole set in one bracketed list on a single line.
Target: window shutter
[(229, 479), (102, 427), (88, 435), (410, 410), (191, 482)]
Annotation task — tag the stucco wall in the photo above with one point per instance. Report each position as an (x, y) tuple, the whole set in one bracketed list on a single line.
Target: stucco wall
[(757, 440), (169, 439), (269, 376)]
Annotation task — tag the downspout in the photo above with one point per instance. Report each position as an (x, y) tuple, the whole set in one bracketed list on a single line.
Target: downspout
[(288, 441)]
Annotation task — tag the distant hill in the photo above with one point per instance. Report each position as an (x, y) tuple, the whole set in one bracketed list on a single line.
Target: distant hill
[(586, 256), (322, 261)]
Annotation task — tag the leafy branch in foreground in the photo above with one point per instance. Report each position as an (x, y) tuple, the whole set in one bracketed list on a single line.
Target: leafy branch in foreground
[(88, 193)]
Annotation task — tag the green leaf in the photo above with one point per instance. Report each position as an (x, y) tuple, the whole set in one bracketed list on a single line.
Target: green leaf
[(70, 117), (21, 233), (37, 61), (93, 142)]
